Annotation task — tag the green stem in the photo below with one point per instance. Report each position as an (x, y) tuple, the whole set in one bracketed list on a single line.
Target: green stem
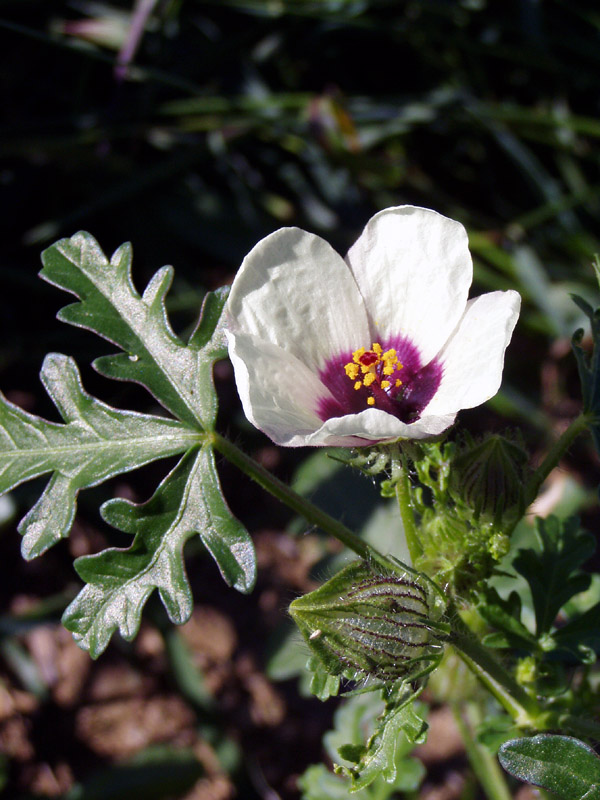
[(402, 487), (557, 451), (522, 707), (293, 500), (485, 766)]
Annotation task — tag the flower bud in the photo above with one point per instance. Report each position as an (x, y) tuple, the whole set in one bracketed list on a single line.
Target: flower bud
[(489, 477), (367, 622)]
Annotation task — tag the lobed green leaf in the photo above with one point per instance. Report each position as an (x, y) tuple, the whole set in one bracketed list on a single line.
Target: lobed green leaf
[(553, 573), (96, 443), (397, 730), (178, 375), (188, 501)]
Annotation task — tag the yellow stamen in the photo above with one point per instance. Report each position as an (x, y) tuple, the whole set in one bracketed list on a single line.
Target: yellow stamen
[(369, 378), (351, 371), (370, 366)]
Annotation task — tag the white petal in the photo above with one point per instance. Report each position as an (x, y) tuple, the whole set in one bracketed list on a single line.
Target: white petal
[(278, 392), (295, 291), (413, 269), (374, 425), (474, 356)]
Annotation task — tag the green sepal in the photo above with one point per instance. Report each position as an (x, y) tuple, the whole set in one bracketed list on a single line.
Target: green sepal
[(178, 375), (119, 581), (563, 765), (488, 476), (95, 443), (322, 683), (370, 623)]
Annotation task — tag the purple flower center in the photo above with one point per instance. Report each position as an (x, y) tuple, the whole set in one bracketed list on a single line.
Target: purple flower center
[(403, 392)]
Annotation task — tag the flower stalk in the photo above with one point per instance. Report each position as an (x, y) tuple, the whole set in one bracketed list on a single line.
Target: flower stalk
[(400, 481)]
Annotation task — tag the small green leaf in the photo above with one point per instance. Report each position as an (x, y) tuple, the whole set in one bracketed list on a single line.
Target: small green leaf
[(397, 730), (188, 501), (581, 635), (553, 573), (358, 716), (561, 764), (505, 615), (96, 443), (178, 375)]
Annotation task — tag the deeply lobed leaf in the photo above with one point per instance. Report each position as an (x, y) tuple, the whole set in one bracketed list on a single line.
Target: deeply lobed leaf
[(96, 443), (553, 573), (120, 581), (178, 375)]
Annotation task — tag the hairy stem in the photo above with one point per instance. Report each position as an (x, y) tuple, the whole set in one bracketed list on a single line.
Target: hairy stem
[(402, 487), (556, 452), (293, 500), (522, 707)]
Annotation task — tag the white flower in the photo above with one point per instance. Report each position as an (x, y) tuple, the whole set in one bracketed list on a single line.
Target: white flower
[(379, 346)]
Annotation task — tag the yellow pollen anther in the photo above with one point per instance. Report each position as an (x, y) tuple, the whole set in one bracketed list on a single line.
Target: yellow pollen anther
[(371, 366), (369, 378)]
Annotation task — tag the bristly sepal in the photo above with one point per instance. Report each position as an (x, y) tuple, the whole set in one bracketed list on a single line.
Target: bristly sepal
[(370, 624)]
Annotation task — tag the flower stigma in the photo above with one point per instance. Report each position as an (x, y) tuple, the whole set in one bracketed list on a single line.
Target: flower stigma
[(372, 368)]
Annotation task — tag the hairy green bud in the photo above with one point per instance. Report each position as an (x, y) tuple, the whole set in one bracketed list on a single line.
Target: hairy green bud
[(365, 622), (489, 477)]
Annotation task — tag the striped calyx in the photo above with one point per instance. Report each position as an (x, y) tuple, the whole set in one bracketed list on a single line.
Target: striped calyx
[(489, 477), (364, 622)]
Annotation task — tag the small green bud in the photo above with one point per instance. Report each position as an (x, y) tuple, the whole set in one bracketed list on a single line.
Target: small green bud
[(499, 546), (367, 622), (526, 670), (489, 477)]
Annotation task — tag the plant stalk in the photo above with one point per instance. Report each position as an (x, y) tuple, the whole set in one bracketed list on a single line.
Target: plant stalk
[(402, 487), (484, 764), (522, 707), (293, 500), (556, 452)]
